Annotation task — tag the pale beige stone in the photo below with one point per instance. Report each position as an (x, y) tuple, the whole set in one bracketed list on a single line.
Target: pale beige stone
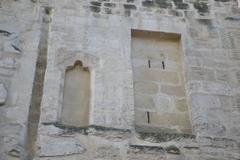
[(145, 87), (156, 75), (181, 105), (145, 102), (141, 117), (76, 98), (170, 120), (178, 91), (156, 59)]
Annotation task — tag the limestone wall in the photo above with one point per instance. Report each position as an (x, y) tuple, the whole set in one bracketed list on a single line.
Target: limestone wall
[(159, 93), (98, 33)]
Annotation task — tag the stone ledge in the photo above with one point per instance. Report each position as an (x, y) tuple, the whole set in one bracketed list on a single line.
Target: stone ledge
[(86, 130), (140, 148), (163, 136), (171, 149)]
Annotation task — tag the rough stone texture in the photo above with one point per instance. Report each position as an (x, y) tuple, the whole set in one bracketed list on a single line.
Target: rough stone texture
[(3, 94), (156, 59), (98, 33), (59, 147)]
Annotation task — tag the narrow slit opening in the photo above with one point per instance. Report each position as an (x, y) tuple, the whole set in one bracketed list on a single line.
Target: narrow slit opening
[(148, 117), (163, 64), (149, 64)]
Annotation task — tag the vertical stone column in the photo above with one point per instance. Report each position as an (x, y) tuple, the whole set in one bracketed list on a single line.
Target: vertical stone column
[(37, 90)]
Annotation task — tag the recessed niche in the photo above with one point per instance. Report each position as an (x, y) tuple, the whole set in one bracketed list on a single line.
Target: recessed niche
[(76, 97), (159, 93)]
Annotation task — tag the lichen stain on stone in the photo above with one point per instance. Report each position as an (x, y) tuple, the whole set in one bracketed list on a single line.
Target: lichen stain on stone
[(85, 130), (163, 137), (201, 7), (95, 9), (95, 3), (129, 6)]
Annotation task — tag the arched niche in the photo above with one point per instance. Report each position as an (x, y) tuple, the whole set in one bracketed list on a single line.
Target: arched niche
[(76, 96)]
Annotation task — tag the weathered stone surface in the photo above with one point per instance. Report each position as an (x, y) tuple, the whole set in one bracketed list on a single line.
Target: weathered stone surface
[(144, 102), (164, 104), (148, 50), (146, 152), (181, 105), (3, 94), (156, 61), (59, 146), (156, 75), (198, 73), (143, 87), (178, 91)]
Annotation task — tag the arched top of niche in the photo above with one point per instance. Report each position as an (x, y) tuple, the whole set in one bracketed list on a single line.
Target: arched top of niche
[(66, 59), (77, 63)]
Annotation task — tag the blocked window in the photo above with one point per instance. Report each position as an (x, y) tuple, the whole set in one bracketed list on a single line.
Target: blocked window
[(76, 97), (159, 93)]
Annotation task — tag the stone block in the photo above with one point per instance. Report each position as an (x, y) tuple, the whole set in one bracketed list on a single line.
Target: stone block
[(205, 101), (144, 152), (144, 102), (236, 101), (181, 105), (8, 63), (163, 104), (145, 87), (170, 120), (198, 53), (59, 146), (169, 65), (156, 75), (140, 117), (234, 54), (210, 87), (198, 73), (235, 131), (107, 153), (178, 91), (236, 76), (223, 75)]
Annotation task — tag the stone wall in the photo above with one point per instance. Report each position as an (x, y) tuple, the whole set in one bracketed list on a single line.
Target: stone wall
[(159, 93), (98, 33)]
